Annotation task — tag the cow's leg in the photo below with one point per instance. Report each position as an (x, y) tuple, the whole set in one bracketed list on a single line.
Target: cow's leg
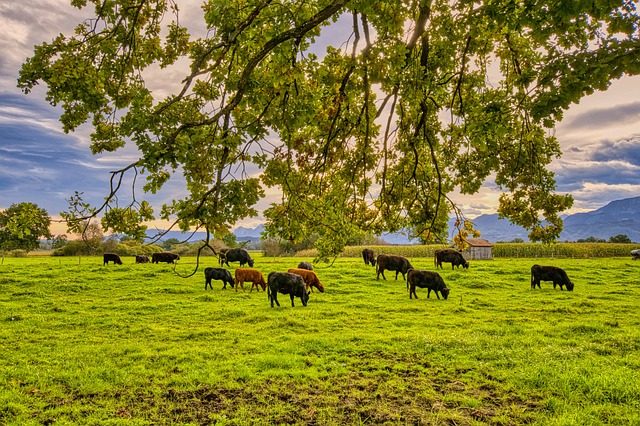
[(381, 271), (397, 275), (292, 297), (274, 298), (428, 293)]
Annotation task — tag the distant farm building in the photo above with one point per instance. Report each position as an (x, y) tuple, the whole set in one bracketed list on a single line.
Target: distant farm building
[(478, 249)]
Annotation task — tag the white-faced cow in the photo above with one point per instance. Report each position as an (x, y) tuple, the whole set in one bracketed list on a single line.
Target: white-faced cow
[(550, 273), (392, 262), (142, 258), (635, 254)]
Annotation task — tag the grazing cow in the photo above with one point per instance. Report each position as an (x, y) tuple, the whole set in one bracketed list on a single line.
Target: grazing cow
[(217, 274), (253, 276), (310, 278), (449, 256), (550, 273), (391, 262), (222, 255), (166, 257), (426, 279), (142, 258), (369, 257), (305, 265), (635, 254), (237, 255), (286, 283), (111, 257)]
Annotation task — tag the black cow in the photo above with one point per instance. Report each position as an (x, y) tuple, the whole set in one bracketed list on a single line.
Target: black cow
[(635, 254), (305, 265), (142, 258), (222, 255), (111, 257), (369, 257), (286, 283), (217, 274), (164, 257), (550, 273), (391, 262), (426, 279), (237, 255), (449, 256)]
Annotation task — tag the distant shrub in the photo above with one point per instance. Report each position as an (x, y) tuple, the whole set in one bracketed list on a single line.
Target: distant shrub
[(16, 253), (74, 248), (275, 247)]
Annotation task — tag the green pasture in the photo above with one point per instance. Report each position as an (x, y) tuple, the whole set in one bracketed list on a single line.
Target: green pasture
[(83, 343)]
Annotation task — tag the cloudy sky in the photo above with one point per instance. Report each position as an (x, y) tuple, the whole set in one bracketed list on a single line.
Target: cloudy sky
[(39, 163)]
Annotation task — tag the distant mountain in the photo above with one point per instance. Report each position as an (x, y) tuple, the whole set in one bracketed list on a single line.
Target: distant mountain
[(240, 232), (617, 217)]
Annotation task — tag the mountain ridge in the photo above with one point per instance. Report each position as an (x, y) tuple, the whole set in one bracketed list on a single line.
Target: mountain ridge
[(615, 218)]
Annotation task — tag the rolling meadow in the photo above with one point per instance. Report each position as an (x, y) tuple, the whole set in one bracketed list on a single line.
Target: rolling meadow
[(84, 343)]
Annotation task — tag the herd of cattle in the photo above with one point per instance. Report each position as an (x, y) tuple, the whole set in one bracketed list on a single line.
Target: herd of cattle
[(300, 282)]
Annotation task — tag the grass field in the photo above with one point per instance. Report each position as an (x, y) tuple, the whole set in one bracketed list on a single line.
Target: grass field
[(82, 343)]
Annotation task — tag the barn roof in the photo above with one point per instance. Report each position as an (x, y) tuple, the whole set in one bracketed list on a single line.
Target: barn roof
[(478, 242)]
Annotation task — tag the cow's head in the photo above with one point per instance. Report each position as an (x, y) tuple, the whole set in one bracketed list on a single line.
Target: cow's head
[(465, 265), (262, 283), (317, 284), (250, 263), (445, 293), (570, 286)]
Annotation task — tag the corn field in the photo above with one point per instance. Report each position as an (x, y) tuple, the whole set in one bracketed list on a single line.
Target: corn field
[(502, 250)]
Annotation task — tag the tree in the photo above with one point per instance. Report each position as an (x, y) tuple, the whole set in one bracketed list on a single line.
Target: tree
[(59, 241), (416, 100), (620, 238), (92, 236), (592, 239), (22, 225)]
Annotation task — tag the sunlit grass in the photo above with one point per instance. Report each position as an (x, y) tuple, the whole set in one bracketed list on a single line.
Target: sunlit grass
[(137, 344)]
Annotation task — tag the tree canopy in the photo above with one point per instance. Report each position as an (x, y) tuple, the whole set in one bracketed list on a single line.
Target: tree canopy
[(407, 102), (22, 225)]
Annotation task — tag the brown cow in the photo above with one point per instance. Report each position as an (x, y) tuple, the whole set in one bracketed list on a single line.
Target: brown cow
[(253, 276), (310, 278)]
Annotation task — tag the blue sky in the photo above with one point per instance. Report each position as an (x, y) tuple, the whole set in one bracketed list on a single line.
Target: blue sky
[(39, 163)]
